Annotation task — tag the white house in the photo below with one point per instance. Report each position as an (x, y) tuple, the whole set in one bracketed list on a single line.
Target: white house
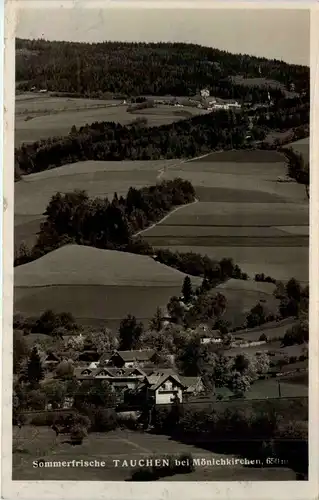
[(205, 93), (163, 388), (165, 385)]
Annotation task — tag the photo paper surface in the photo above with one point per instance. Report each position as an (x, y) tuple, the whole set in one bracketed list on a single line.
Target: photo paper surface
[(158, 195)]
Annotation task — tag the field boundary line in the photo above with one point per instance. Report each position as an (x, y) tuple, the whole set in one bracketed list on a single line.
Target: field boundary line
[(166, 217), (135, 445)]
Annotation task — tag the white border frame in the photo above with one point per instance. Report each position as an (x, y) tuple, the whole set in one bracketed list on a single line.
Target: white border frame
[(139, 491)]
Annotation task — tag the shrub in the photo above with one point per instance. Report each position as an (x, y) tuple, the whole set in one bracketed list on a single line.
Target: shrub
[(72, 419), (263, 338), (292, 359), (128, 422), (104, 420), (43, 419), (78, 433)]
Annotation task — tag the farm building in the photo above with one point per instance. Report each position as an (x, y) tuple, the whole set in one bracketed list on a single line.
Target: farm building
[(125, 378), (105, 358), (205, 93), (128, 359), (50, 360), (207, 335), (193, 385)]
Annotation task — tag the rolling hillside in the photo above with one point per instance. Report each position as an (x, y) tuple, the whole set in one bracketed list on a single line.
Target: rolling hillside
[(95, 285)]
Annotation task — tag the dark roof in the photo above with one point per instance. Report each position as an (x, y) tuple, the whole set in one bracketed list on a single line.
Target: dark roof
[(52, 356), (105, 356), (157, 382), (110, 372), (89, 353), (142, 355)]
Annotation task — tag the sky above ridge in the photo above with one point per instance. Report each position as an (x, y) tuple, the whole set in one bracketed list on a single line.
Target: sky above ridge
[(272, 33)]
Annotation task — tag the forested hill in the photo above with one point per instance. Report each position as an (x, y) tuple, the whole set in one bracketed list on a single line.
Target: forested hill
[(140, 68)]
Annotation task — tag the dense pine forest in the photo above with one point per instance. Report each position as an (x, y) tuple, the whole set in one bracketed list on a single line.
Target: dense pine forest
[(148, 68), (112, 141)]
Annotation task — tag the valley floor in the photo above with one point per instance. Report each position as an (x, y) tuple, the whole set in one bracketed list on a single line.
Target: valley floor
[(36, 443)]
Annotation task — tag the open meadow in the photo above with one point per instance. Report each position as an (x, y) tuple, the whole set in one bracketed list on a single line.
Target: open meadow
[(39, 116), (243, 213), (96, 286), (98, 178), (36, 443), (242, 296)]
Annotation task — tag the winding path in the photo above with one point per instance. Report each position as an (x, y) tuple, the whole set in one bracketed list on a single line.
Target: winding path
[(166, 217)]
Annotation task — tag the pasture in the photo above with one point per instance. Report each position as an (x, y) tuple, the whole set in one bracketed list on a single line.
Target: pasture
[(272, 330), (40, 116), (274, 348), (95, 285), (243, 213), (31, 444), (98, 178), (242, 296), (265, 389)]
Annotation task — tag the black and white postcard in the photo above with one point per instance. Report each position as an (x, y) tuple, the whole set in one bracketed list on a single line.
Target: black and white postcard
[(158, 325)]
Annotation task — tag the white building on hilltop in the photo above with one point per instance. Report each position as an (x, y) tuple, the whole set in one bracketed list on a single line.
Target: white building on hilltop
[(204, 93)]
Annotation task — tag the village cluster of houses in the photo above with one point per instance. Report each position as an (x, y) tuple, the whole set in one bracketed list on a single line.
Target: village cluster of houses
[(134, 376)]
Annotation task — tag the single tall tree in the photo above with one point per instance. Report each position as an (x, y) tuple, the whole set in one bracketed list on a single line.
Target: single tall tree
[(187, 290), (156, 322), (34, 370), (175, 310), (130, 332)]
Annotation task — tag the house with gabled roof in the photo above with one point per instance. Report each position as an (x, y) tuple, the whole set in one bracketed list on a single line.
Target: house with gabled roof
[(164, 387), (130, 359), (128, 378), (105, 358), (49, 360), (193, 385)]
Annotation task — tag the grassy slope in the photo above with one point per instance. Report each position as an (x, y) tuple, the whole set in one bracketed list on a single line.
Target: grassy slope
[(123, 445), (40, 117), (239, 195), (33, 193), (95, 284)]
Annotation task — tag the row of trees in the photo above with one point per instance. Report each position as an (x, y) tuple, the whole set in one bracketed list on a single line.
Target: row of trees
[(258, 431), (281, 117), (75, 218), (111, 141), (298, 167), (294, 298), (146, 69), (49, 323)]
